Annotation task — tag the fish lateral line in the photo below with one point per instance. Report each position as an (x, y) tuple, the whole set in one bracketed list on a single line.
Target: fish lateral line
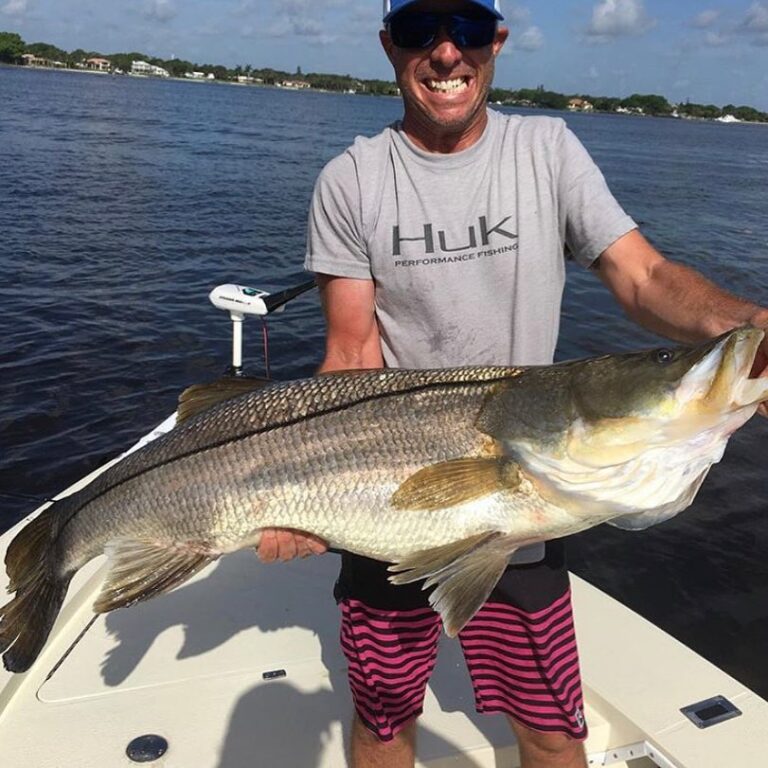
[(340, 408)]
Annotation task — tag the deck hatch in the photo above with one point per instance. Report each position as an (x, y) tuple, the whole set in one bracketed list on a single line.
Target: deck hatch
[(147, 748), (709, 712)]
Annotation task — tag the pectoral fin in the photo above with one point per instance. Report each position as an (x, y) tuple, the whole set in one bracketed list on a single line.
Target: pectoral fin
[(140, 569), (464, 574), (454, 482)]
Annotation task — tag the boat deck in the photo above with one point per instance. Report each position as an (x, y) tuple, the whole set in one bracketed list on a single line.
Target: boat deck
[(244, 660)]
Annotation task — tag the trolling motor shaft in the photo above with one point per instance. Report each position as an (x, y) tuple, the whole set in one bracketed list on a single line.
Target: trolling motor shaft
[(241, 300)]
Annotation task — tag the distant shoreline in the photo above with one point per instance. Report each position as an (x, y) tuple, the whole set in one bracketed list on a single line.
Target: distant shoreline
[(171, 78), (215, 81), (128, 75)]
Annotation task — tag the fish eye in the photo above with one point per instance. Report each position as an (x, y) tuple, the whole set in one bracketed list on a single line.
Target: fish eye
[(664, 356)]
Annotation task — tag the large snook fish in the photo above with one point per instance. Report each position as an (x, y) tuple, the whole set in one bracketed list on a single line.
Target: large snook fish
[(443, 473)]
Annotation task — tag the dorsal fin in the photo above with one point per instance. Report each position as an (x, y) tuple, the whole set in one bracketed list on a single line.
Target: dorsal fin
[(201, 397)]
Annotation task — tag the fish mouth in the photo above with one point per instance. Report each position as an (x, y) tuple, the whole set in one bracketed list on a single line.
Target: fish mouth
[(720, 379)]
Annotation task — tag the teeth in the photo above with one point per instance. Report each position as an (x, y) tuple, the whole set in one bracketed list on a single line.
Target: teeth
[(456, 84)]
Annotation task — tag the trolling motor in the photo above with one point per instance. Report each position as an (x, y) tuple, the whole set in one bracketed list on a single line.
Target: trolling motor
[(239, 301)]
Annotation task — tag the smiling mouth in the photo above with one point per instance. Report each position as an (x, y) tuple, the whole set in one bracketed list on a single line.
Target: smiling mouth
[(454, 85)]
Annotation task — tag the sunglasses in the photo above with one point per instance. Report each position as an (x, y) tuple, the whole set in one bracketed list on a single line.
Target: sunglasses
[(420, 30)]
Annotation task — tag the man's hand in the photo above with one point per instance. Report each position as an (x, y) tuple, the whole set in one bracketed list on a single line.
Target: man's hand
[(286, 544)]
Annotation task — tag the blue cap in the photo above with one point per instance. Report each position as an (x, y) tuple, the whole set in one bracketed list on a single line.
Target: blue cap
[(391, 7)]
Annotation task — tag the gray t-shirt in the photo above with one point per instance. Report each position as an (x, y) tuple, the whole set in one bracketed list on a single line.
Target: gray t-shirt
[(466, 249)]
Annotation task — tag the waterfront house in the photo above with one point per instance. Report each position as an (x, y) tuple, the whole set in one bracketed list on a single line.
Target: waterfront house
[(580, 105), (30, 60), (98, 64), (145, 69)]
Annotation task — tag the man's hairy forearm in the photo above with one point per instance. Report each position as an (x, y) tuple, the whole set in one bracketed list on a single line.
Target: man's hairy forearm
[(677, 302)]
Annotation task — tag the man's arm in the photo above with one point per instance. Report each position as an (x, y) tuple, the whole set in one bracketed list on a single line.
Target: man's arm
[(673, 300), (352, 342), (352, 334)]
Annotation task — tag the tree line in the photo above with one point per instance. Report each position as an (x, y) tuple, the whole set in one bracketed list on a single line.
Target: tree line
[(646, 104), (12, 48)]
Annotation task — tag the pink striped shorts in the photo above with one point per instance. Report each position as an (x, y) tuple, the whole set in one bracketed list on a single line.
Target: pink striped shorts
[(524, 664)]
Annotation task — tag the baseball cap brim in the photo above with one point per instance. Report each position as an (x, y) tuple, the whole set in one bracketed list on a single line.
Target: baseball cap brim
[(491, 7)]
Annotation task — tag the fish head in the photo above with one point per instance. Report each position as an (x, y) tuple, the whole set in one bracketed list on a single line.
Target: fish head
[(622, 405)]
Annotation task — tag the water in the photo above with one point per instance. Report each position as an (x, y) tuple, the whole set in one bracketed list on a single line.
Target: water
[(123, 202)]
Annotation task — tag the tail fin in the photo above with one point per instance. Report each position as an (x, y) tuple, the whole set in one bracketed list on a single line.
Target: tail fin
[(26, 621)]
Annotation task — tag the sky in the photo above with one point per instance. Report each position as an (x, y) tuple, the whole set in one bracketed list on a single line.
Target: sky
[(706, 52)]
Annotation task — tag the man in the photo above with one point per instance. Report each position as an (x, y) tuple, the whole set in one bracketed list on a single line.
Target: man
[(440, 243)]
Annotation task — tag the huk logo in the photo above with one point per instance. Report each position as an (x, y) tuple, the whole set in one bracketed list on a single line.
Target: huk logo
[(428, 237)]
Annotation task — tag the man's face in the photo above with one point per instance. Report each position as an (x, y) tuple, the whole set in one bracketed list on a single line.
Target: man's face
[(444, 87)]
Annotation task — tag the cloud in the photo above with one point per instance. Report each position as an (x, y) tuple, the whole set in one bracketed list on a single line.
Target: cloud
[(710, 37), (309, 7), (363, 24), (159, 10), (302, 19), (757, 18), (755, 23), (530, 40), (716, 39), (612, 19), (310, 29), (244, 8), (752, 29), (515, 14), (705, 19), (528, 37), (15, 7)]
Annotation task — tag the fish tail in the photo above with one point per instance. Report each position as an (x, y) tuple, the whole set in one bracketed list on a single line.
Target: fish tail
[(32, 566)]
